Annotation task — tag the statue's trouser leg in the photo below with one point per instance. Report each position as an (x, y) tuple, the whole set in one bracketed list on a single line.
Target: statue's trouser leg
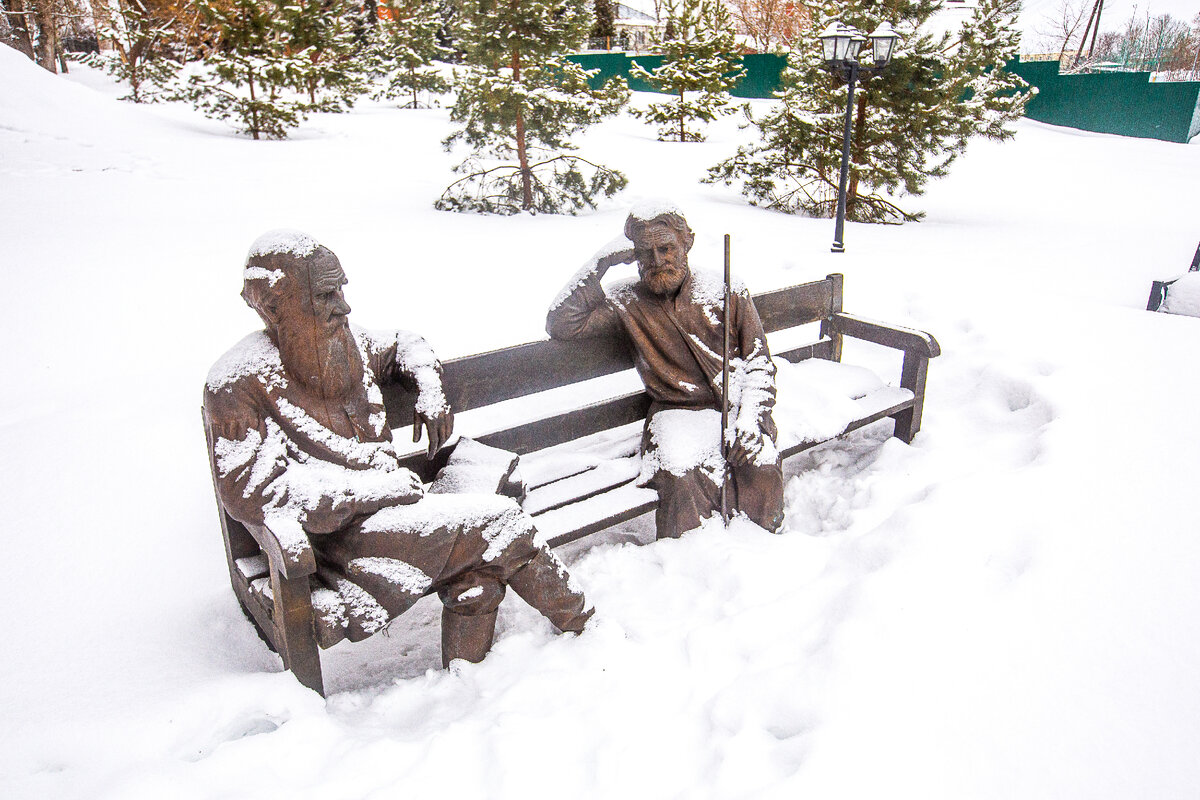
[(471, 590), (686, 500), (466, 637), (683, 501), (477, 572), (757, 492), (545, 585), (482, 544)]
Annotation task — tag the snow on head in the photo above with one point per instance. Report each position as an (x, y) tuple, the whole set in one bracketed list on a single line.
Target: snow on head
[(281, 241), (646, 210), (271, 276), (657, 212), (284, 241)]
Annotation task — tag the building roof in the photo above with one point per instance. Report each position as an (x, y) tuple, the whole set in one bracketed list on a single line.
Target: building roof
[(635, 13)]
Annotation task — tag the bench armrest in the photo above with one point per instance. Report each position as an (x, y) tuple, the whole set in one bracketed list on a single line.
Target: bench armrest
[(287, 547), (907, 339)]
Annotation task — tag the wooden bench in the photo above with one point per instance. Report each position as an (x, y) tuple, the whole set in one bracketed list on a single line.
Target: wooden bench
[(578, 459), (1159, 289)]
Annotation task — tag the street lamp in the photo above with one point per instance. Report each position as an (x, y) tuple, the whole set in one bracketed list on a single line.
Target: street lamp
[(840, 46)]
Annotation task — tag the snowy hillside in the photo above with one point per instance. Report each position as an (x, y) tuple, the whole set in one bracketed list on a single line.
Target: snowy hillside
[(1008, 608)]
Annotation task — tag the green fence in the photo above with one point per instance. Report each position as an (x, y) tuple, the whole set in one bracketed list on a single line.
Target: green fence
[(1125, 103), (761, 79)]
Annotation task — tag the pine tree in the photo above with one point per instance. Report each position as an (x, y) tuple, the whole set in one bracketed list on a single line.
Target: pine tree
[(140, 39), (329, 33), (606, 17), (404, 47), (251, 73), (911, 121), (519, 102), (698, 67)]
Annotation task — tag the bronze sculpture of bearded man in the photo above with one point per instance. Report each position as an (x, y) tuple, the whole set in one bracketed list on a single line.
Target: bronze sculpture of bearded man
[(673, 318), (299, 438)]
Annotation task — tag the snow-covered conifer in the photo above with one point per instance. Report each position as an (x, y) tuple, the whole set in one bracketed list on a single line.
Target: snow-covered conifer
[(519, 102), (911, 121), (699, 67), (250, 73), (604, 28), (139, 57), (329, 33), (403, 48)]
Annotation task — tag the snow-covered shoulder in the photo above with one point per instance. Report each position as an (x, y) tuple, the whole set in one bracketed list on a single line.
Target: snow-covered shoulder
[(254, 355), (622, 291), (708, 286)]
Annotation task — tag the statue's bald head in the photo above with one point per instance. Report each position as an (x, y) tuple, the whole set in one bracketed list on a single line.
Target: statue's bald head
[(289, 270)]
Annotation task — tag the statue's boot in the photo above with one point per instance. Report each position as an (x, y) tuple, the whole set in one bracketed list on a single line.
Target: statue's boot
[(466, 637), (545, 585)]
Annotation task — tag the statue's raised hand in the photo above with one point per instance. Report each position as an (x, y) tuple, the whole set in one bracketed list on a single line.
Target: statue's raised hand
[(618, 251)]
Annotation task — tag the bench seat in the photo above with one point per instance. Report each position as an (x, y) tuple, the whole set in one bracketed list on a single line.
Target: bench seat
[(582, 486)]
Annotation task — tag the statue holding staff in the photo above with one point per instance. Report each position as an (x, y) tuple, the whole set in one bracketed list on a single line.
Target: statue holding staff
[(675, 319)]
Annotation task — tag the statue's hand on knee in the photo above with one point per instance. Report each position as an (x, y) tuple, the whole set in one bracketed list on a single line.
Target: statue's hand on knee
[(747, 444), (405, 488)]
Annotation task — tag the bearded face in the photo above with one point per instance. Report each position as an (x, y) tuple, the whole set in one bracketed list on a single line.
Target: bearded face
[(661, 254), (312, 329)]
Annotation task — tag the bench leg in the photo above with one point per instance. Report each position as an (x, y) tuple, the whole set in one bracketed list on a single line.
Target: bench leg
[(262, 632), (1158, 293), (912, 377), (297, 641)]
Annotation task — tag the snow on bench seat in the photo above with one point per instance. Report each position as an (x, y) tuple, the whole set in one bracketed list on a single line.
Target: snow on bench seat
[(595, 513), (586, 485), (583, 484)]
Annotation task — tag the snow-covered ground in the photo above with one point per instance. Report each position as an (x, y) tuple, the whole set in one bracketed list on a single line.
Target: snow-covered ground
[(1008, 608)]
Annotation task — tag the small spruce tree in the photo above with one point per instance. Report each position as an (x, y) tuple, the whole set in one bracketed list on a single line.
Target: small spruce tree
[(699, 68), (910, 122), (140, 39), (403, 48), (519, 102), (329, 32), (250, 74), (604, 29)]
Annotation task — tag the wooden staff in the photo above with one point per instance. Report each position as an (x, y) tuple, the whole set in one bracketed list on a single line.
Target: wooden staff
[(725, 395)]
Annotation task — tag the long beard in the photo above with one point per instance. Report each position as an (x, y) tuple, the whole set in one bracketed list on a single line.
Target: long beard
[(327, 364), (664, 281)]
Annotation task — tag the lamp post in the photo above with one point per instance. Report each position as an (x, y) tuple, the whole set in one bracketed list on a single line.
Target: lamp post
[(840, 46)]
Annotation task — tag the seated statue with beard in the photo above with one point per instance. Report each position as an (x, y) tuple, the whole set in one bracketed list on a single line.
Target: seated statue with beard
[(299, 437), (673, 317)]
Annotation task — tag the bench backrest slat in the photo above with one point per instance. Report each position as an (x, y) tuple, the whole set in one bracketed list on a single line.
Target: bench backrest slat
[(571, 425), (487, 378), (796, 305), (549, 431)]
